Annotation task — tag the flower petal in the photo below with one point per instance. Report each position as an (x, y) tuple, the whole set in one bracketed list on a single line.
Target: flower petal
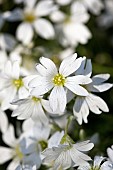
[(84, 146), (43, 8), (49, 65), (11, 93), (81, 110), (44, 28), (16, 70), (58, 99), (38, 114), (23, 92), (5, 154), (3, 122), (110, 153), (24, 33), (69, 65), (94, 105), (42, 87), (57, 16), (29, 4), (33, 159), (100, 78), (95, 6), (55, 139), (13, 165), (63, 2), (100, 103), (9, 137), (80, 79), (98, 160), (85, 68), (23, 111), (79, 12), (98, 84), (65, 155), (75, 88), (79, 158)]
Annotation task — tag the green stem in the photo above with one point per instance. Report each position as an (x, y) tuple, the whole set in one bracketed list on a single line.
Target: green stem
[(68, 122)]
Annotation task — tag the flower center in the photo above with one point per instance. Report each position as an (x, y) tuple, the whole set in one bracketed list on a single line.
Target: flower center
[(66, 139), (43, 144), (94, 168), (59, 80), (29, 17), (67, 20), (35, 99), (19, 153), (18, 83)]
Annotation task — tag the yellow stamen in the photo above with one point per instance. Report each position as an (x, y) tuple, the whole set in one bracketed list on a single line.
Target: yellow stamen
[(29, 17), (19, 153), (18, 82), (59, 80), (35, 99)]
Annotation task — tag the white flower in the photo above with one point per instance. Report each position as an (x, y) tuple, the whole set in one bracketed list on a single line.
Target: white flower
[(31, 16), (3, 121), (36, 141), (26, 167), (91, 102), (106, 19), (98, 164), (94, 6), (13, 56), (13, 151), (67, 154), (30, 107), (71, 28), (51, 78), (12, 83)]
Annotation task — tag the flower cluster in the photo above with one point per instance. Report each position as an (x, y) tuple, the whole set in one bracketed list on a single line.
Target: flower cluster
[(39, 98), (39, 105)]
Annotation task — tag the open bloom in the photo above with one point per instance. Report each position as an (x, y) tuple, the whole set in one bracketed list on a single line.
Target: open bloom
[(100, 163), (12, 83), (58, 81), (13, 151), (31, 16), (30, 107), (37, 139), (71, 28), (91, 102), (67, 154)]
